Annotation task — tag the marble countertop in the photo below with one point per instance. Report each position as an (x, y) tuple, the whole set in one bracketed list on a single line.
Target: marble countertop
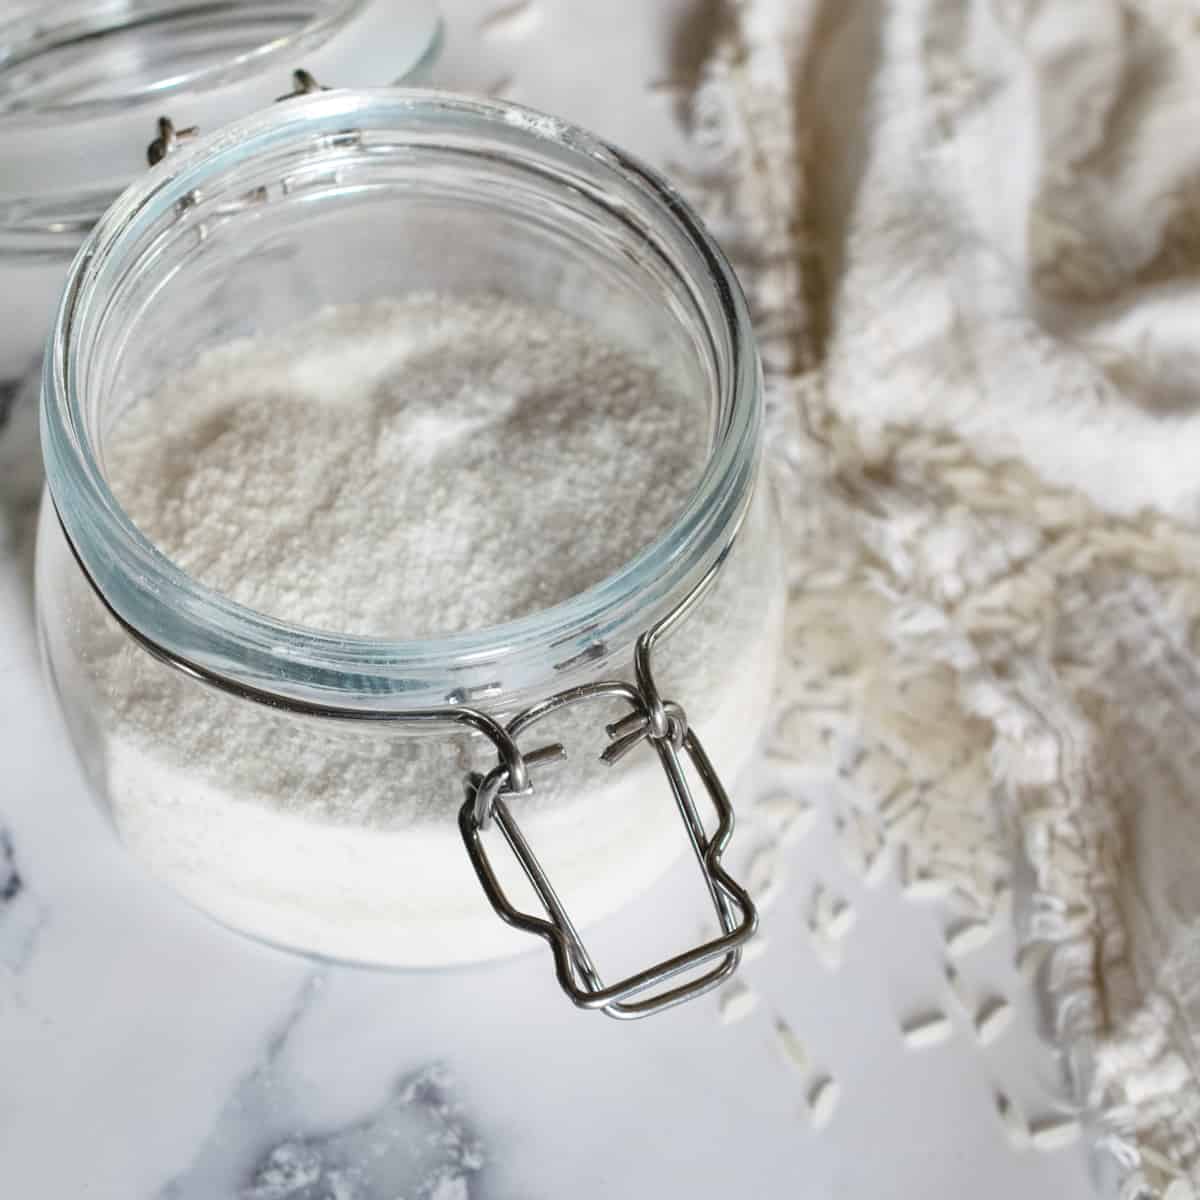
[(147, 1053)]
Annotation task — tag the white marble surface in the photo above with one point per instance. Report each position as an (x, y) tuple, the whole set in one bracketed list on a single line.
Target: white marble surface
[(146, 1053)]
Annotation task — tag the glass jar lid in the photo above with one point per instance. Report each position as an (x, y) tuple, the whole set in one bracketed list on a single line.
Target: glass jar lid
[(83, 82)]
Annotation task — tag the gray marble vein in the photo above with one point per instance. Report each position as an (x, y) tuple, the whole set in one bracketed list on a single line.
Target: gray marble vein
[(416, 1145), (11, 883), (21, 915), (251, 1106)]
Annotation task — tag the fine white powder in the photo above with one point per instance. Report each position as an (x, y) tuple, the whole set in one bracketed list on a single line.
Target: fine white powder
[(406, 468), (410, 468)]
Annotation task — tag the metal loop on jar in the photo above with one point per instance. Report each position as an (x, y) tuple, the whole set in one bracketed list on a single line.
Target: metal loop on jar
[(168, 140), (303, 84), (169, 137)]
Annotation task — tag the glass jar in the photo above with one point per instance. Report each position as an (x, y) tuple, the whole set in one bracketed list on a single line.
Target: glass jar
[(82, 84), (343, 197)]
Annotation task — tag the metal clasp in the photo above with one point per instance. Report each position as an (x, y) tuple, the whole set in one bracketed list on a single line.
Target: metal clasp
[(661, 722), (168, 140), (169, 137), (664, 725)]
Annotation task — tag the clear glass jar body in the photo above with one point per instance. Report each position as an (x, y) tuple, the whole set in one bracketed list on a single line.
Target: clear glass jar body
[(344, 198)]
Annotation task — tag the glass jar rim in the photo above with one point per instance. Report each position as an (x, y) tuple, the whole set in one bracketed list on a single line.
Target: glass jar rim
[(174, 610)]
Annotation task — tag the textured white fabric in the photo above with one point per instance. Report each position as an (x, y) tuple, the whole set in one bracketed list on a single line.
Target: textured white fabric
[(971, 236)]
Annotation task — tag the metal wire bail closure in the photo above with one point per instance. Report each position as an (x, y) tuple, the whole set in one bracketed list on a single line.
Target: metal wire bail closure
[(664, 725), (488, 795)]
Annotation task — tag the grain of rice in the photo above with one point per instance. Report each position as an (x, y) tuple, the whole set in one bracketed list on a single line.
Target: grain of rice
[(840, 921), (993, 1018), (926, 1029), (1053, 1133), (1030, 958), (958, 988), (1012, 1120), (822, 1100), (966, 936), (790, 1046)]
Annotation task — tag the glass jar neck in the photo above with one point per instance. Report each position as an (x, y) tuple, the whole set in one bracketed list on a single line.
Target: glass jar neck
[(319, 139)]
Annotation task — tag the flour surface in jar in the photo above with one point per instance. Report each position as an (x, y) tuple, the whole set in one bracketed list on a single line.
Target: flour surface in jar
[(410, 467)]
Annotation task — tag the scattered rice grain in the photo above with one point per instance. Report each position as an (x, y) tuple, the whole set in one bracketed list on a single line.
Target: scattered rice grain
[(1014, 1123), (790, 1046), (993, 1018), (958, 988), (840, 921), (966, 936), (1030, 958), (1053, 1133), (512, 20), (926, 887), (822, 1100), (877, 868), (926, 1029)]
